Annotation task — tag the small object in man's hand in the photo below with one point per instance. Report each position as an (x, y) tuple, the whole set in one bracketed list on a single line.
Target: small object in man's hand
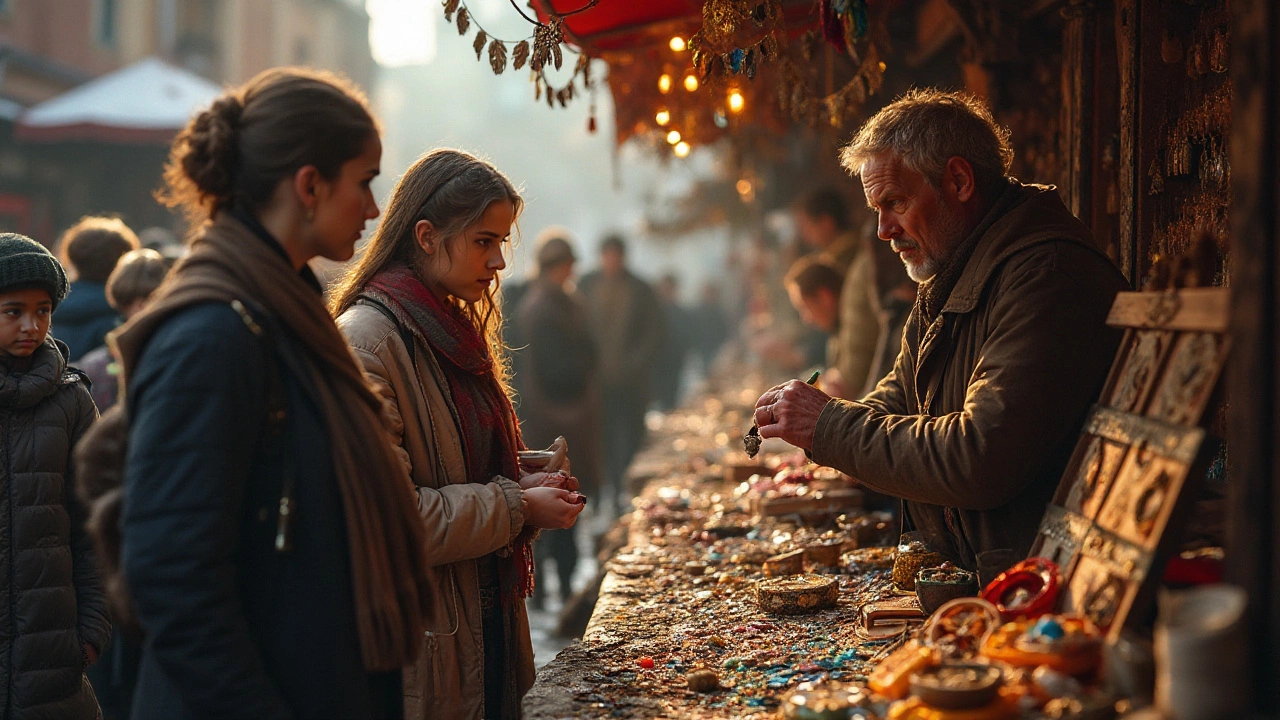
[(578, 499), (751, 441)]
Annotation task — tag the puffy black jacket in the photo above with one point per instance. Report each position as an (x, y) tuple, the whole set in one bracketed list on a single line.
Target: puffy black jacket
[(51, 595)]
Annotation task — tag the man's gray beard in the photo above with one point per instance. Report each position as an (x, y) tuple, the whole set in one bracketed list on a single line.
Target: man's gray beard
[(953, 225), (923, 272)]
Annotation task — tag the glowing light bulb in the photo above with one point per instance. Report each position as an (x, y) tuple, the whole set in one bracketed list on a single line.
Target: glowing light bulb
[(744, 187), (682, 149), (736, 101), (662, 118), (690, 82), (673, 137), (678, 44), (664, 84)]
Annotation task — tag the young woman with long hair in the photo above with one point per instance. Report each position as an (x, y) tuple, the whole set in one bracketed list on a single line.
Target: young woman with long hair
[(269, 543), (419, 309)]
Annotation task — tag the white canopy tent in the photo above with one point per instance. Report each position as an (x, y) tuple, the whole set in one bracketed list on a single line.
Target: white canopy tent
[(144, 103)]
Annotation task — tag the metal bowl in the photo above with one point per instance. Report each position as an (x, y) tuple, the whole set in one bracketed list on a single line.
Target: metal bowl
[(934, 593), (957, 686)]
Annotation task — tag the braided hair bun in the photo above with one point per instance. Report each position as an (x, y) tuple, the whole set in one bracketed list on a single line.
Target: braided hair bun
[(203, 160), (239, 149)]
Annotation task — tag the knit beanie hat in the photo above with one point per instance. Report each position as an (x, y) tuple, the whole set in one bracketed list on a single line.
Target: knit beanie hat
[(26, 263)]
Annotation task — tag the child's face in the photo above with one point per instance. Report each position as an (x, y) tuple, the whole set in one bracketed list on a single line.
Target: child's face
[(24, 321)]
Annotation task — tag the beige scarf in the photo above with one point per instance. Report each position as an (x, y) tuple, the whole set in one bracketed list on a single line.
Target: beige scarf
[(228, 262)]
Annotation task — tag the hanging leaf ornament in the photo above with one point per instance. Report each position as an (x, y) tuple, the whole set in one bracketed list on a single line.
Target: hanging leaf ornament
[(538, 58), (542, 50), (497, 57)]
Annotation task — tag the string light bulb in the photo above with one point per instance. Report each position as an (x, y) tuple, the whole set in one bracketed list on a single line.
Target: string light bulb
[(677, 44), (682, 149), (736, 101), (690, 82), (662, 118), (673, 137), (664, 84)]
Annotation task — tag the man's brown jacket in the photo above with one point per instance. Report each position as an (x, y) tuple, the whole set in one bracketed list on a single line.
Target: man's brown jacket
[(974, 426)]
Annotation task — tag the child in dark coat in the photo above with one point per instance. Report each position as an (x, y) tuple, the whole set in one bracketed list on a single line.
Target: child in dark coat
[(53, 611)]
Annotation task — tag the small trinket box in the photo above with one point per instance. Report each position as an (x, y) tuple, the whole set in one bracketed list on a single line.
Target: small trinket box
[(797, 594)]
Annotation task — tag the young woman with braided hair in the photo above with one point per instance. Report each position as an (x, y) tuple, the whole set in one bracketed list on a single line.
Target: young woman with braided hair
[(269, 543)]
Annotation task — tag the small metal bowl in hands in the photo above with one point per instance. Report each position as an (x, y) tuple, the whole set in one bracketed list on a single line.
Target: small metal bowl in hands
[(534, 460)]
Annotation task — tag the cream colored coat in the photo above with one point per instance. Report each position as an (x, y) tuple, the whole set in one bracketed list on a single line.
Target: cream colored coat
[(464, 520)]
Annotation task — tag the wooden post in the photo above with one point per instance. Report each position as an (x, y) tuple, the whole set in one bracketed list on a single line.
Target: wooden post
[(1130, 175), (1078, 88), (1253, 540)]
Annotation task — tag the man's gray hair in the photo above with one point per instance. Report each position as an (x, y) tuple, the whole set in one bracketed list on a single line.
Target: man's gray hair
[(927, 127)]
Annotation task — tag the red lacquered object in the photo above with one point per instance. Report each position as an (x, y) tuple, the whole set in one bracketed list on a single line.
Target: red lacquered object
[(1026, 590)]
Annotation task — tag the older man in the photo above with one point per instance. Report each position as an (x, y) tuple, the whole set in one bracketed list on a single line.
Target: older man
[(1005, 348)]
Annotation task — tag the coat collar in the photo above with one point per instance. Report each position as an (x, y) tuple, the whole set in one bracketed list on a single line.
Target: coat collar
[(24, 390), (1033, 216)]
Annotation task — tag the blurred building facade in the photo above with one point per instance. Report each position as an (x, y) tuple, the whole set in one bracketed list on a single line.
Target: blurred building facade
[(48, 47)]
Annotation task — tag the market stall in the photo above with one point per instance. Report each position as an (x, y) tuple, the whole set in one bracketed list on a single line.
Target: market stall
[(739, 598), (757, 586), (1128, 106)]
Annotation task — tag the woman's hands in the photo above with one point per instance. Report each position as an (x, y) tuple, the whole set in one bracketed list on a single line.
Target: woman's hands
[(559, 479), (551, 507)]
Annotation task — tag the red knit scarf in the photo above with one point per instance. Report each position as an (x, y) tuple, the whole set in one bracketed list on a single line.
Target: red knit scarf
[(490, 435)]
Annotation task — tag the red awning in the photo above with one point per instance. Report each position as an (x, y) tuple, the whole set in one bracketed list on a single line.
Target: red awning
[(624, 24)]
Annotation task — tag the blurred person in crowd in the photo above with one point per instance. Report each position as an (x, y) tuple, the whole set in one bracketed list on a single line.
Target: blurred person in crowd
[(813, 283), (771, 327), (90, 249), (420, 311), (629, 334), (163, 241), (268, 537), (668, 371), (1004, 351), (710, 322), (129, 287), (54, 621), (824, 222), (557, 379)]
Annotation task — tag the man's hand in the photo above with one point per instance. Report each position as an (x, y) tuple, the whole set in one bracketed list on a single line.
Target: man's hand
[(790, 411)]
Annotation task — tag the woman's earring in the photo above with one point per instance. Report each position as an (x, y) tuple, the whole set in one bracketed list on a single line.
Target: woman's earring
[(311, 214)]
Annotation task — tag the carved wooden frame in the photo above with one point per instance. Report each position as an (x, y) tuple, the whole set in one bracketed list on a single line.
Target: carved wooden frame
[(1141, 451)]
